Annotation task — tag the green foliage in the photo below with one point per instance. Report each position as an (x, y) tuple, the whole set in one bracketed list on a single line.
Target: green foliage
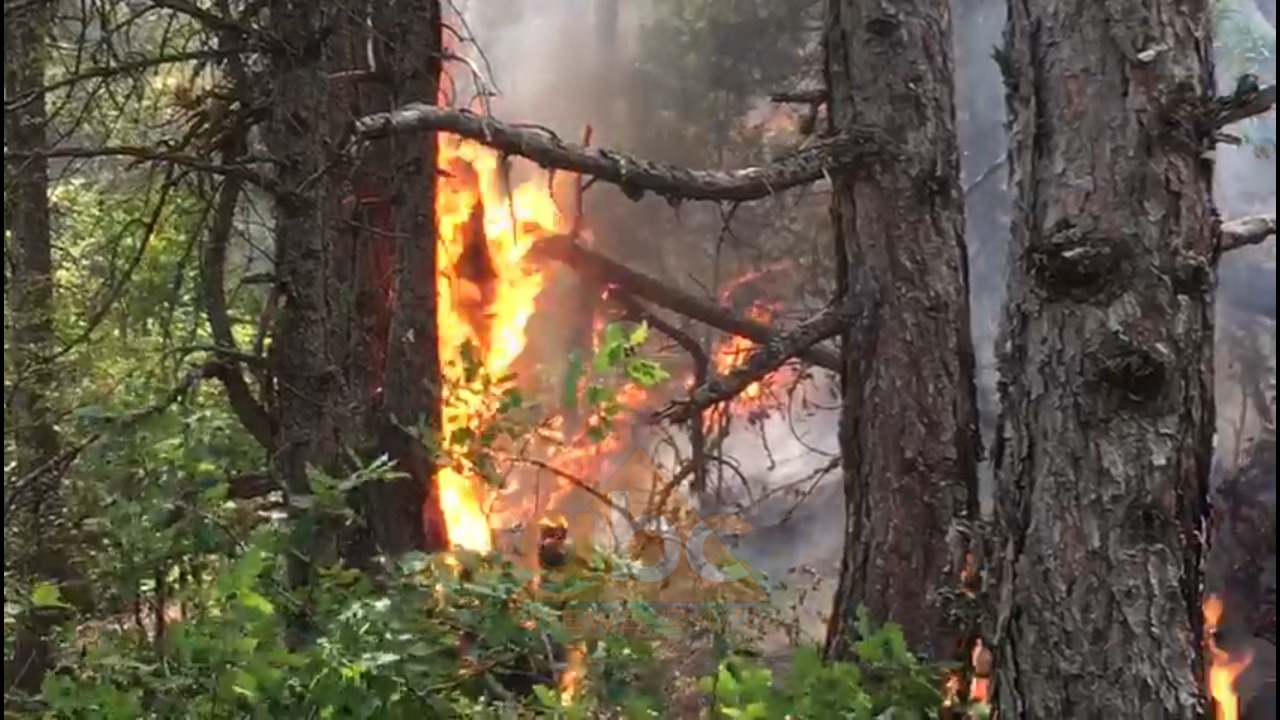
[(190, 610), (884, 681), (430, 639), (617, 361)]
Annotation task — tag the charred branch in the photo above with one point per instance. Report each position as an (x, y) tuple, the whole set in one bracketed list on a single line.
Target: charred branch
[(609, 273), (1246, 231), (633, 175), (1247, 101), (813, 96), (861, 311)]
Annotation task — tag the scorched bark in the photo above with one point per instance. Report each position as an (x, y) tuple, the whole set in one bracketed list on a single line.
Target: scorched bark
[(908, 429), (1103, 457)]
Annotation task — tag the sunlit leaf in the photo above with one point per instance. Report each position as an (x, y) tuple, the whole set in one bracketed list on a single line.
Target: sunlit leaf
[(47, 595)]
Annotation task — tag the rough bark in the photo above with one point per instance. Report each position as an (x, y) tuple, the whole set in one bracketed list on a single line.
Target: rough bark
[(908, 429), (37, 523), (395, 367), (1103, 456), (632, 174), (310, 390)]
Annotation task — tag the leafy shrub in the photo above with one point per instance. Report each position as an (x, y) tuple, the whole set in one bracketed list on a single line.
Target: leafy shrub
[(886, 681)]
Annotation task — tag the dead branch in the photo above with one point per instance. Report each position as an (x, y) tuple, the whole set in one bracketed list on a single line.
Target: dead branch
[(212, 270), (1244, 105), (1246, 231), (859, 310), (814, 96), (576, 481), (609, 273), (109, 71), (633, 175), (243, 171)]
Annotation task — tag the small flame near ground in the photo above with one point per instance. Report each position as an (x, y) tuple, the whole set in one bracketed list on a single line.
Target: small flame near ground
[(1223, 669)]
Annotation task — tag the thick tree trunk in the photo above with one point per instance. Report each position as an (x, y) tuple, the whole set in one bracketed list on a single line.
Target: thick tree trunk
[(41, 556), (1103, 458), (394, 368), (908, 429), (409, 516), (311, 388), (355, 349)]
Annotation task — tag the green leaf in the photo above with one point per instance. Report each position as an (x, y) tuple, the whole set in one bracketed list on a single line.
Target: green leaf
[(462, 436), (646, 373), (639, 335), (47, 595), (256, 602)]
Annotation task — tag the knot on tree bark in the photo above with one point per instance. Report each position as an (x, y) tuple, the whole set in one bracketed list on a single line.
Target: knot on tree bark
[(1076, 265), (1137, 376)]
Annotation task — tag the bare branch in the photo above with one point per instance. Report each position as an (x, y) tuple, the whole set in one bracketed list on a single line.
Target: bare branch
[(633, 175), (107, 71), (1246, 231), (212, 269), (800, 97), (861, 311), (150, 154), (1242, 106), (608, 273)]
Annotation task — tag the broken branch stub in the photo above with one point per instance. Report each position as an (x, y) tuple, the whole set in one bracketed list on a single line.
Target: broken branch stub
[(1246, 231), (633, 175)]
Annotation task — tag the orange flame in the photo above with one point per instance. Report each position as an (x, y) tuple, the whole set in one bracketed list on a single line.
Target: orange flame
[(1223, 670), (575, 671), (487, 293)]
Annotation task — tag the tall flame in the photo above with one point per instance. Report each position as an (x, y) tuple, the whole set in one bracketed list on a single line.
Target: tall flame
[(487, 294)]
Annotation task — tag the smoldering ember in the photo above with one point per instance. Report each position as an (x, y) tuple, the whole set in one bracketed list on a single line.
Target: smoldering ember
[(658, 359)]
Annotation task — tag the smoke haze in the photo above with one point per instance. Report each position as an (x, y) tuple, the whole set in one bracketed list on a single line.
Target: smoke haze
[(564, 65)]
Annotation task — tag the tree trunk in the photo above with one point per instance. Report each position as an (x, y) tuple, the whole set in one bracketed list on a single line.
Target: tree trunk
[(311, 388), (407, 516), (392, 361), (908, 429), (355, 349), (41, 556), (1103, 457)]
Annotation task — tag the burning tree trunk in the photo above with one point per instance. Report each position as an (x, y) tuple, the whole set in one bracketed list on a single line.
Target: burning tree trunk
[(354, 350), (38, 554), (1103, 457), (396, 365), (908, 428)]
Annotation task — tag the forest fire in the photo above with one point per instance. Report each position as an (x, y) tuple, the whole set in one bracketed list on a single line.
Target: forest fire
[(488, 287), (735, 351), (487, 295)]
